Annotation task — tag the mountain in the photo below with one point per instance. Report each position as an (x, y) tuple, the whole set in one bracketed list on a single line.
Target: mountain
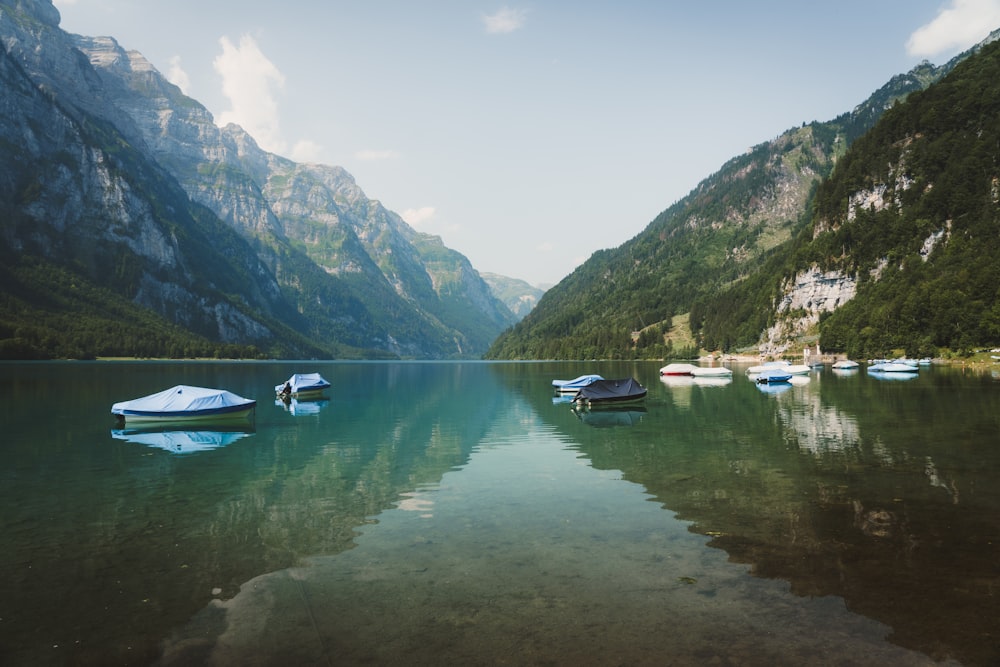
[(519, 296), (725, 258), (179, 238)]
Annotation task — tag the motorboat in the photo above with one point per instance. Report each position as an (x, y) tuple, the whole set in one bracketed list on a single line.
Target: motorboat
[(302, 385), (893, 367), (773, 375), (768, 365), (787, 366), (845, 365), (574, 385), (610, 392), (677, 369), (711, 372), (184, 403)]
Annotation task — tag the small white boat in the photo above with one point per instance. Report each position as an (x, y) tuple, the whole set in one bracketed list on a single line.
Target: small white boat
[(677, 369), (893, 367), (184, 404), (845, 365), (768, 366), (797, 369), (774, 375), (711, 372), (302, 385)]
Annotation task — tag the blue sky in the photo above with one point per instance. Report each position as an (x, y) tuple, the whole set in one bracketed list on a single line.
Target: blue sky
[(529, 135)]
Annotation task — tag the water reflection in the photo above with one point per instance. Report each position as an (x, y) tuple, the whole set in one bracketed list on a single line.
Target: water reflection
[(302, 407), (887, 500), (456, 510), (610, 416), (183, 442)]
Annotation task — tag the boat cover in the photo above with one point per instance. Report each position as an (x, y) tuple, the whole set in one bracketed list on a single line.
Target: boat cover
[(576, 383), (183, 399), (625, 389), (304, 382), (774, 375)]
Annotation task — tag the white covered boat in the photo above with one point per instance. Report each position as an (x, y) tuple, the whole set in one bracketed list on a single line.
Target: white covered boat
[(301, 385), (677, 369), (782, 365), (893, 367), (184, 403), (768, 366), (846, 365), (712, 372)]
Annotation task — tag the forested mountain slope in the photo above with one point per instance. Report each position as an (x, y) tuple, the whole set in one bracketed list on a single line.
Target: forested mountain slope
[(719, 253)]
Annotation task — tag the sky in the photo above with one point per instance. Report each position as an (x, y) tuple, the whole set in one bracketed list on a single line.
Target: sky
[(529, 135)]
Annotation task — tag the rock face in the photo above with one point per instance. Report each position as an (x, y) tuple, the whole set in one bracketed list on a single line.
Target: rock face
[(106, 163), (804, 298)]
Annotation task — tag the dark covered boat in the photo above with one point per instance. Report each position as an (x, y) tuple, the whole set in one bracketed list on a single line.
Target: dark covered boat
[(610, 392)]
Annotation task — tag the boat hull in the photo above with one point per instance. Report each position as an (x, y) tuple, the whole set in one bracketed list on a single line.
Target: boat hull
[(200, 416), (610, 392)]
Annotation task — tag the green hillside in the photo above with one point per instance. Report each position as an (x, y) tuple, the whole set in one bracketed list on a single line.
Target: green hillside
[(724, 253)]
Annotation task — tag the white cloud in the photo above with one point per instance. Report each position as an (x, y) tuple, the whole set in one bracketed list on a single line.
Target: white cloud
[(307, 151), (963, 23), (417, 216), (504, 20), (248, 79), (177, 76), (373, 155)]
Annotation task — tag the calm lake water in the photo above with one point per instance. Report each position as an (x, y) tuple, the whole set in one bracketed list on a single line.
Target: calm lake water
[(458, 513)]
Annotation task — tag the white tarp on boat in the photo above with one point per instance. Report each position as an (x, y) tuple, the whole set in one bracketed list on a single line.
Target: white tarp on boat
[(183, 399), (304, 382)]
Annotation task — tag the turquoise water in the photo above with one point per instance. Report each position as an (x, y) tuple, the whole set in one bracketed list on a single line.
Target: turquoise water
[(460, 513)]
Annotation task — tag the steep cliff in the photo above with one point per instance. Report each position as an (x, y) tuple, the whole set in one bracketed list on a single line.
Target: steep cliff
[(106, 164)]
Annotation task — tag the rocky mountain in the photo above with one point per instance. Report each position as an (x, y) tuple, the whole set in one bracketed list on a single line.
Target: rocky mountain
[(115, 181), (725, 258), (519, 296)]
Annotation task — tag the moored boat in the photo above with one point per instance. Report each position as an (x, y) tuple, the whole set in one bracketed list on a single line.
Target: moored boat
[(610, 392), (893, 367), (774, 375), (677, 369), (302, 385), (845, 365), (768, 365), (184, 403), (574, 385), (711, 372)]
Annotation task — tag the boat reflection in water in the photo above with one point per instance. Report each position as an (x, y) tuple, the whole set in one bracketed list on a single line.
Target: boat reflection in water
[(302, 408), (183, 442), (605, 417)]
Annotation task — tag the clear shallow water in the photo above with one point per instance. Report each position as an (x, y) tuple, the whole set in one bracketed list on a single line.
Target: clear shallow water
[(455, 513)]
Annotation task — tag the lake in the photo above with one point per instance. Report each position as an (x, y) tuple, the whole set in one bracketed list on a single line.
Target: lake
[(461, 513)]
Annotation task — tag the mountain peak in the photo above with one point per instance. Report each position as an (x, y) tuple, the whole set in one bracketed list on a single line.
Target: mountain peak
[(40, 10)]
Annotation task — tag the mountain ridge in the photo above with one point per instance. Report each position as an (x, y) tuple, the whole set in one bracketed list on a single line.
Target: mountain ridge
[(314, 267), (737, 226)]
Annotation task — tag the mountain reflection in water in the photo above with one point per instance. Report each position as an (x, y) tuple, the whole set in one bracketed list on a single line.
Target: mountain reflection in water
[(434, 513)]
